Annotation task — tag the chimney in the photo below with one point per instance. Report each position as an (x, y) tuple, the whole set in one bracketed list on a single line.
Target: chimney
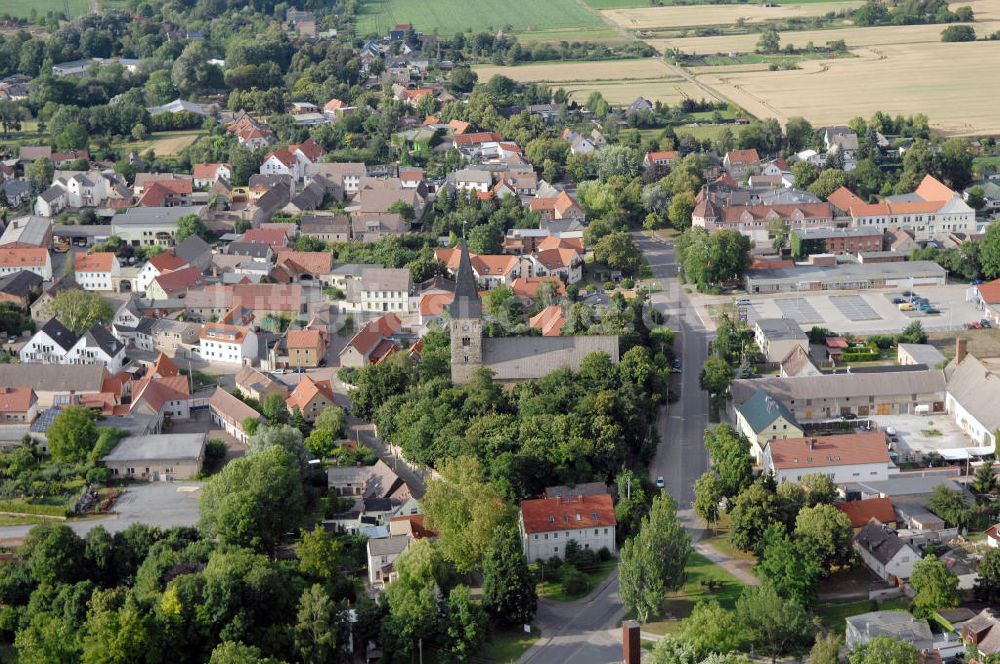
[(630, 642), (961, 349)]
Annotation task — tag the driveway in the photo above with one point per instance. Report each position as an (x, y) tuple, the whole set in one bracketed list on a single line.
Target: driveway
[(163, 504)]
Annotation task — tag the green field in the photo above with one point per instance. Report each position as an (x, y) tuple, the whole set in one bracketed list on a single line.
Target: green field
[(23, 7), (451, 16)]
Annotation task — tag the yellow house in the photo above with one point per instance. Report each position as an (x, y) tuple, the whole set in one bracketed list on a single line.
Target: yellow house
[(762, 418)]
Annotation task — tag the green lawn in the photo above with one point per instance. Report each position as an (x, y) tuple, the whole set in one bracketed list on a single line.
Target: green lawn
[(506, 646), (710, 131), (451, 16), (23, 7), (680, 603), (834, 613), (553, 589)]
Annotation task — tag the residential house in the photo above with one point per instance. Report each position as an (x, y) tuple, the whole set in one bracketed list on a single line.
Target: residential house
[(549, 321), (798, 363), (28, 259), (175, 456), (982, 633), (325, 227), (205, 175), (20, 288), (299, 348), (382, 554), (311, 397), (347, 175), (292, 160), (741, 163), (659, 162), (157, 265), (564, 263), (777, 337), (175, 284), (932, 211), (470, 179), (381, 289), (258, 385), (161, 398), (556, 207), (548, 524), (163, 193), (49, 345), (56, 344), (231, 340), (526, 288), (883, 552), (230, 413), (897, 625), (302, 266), (30, 231), (761, 419), (375, 481), (489, 271), (971, 396), (843, 458), (335, 108), (372, 342), (149, 226), (95, 272), (860, 512), (18, 405)]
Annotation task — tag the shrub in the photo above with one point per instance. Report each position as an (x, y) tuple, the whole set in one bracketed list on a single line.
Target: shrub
[(347, 375), (574, 582), (215, 449), (604, 555)]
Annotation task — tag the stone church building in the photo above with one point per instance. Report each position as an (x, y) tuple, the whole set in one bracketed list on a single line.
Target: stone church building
[(511, 359)]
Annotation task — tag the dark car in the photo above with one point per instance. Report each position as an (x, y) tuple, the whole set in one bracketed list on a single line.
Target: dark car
[(898, 300), (907, 293), (985, 323), (848, 416), (676, 367)]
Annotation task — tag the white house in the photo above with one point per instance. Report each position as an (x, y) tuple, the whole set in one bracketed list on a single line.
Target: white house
[(382, 289), (845, 458), (56, 344), (223, 342), (548, 524), (292, 160), (471, 179), (31, 259), (971, 397), (205, 175), (95, 272), (155, 266), (49, 345), (885, 553), (229, 413)]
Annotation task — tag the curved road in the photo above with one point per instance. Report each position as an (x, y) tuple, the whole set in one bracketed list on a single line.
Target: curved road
[(588, 631)]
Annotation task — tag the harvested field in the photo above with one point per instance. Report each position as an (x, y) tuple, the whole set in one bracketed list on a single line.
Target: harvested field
[(611, 70), (620, 81), (937, 79), (173, 142), (854, 37), (651, 18)]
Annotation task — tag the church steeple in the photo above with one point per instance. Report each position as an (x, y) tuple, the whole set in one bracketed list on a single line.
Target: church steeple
[(466, 326), (466, 303)]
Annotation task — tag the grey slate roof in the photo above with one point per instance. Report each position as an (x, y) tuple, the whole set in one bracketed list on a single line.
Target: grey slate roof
[(880, 541), (466, 303), (254, 249), (60, 334), (159, 447), (781, 328), (761, 410), (887, 383), (20, 284), (387, 546), (54, 377), (191, 248), (523, 358), (977, 388)]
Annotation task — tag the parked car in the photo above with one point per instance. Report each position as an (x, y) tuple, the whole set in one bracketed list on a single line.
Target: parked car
[(974, 326), (676, 367), (848, 416), (898, 300), (985, 323), (660, 483), (905, 306), (907, 293)]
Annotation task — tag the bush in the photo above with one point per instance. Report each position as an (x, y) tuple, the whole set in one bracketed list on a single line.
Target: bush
[(604, 555), (818, 335), (98, 475), (215, 449), (551, 567), (958, 33), (347, 375), (882, 341), (16, 507), (574, 582)]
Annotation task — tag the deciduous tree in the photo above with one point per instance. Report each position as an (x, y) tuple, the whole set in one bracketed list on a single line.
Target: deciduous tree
[(72, 434), (79, 310), (508, 588), (936, 586)]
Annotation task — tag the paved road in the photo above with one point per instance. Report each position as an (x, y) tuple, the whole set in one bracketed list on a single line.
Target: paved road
[(681, 457), (588, 632)]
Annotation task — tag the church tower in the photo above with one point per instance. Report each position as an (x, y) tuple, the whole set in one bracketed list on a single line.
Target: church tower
[(466, 323)]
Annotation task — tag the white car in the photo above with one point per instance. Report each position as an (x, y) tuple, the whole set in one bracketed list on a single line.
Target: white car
[(660, 483)]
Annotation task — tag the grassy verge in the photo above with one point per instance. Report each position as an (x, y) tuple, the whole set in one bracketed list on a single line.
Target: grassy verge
[(553, 589), (20, 520), (19, 506), (679, 604), (718, 539), (506, 646)]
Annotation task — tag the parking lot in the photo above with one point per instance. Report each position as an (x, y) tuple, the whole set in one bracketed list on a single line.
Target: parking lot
[(924, 434), (868, 311)]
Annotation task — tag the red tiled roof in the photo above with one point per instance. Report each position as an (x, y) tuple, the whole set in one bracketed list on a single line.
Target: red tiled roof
[(15, 399), (862, 511), (432, 304), (208, 171), (745, 157), (527, 287), (310, 148), (307, 390), (826, 451), (275, 237), (305, 262), (663, 155), (990, 291), (478, 137), (373, 332), (544, 515), (164, 367), (166, 262), (549, 320), (180, 280), (303, 339), (21, 257), (102, 261)]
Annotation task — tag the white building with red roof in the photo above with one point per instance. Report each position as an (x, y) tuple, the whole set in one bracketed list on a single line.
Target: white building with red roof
[(155, 266), (30, 259), (205, 175), (292, 159), (844, 458), (548, 524), (95, 272)]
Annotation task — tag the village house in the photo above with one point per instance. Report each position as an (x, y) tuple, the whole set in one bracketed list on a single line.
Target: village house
[(982, 633), (95, 272), (761, 418), (232, 339), (883, 552), (205, 175), (20, 288), (311, 397), (174, 284), (347, 175), (860, 512), (299, 348), (379, 289), (29, 259), (18, 405), (30, 231), (548, 524), (56, 344), (777, 337), (972, 395), (373, 342), (325, 227), (292, 160), (157, 265), (255, 384), (843, 458), (148, 226)]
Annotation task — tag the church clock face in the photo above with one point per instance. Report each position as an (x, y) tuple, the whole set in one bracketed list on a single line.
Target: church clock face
[(465, 328)]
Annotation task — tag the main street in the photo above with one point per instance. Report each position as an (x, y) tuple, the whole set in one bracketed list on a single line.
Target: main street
[(587, 632)]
